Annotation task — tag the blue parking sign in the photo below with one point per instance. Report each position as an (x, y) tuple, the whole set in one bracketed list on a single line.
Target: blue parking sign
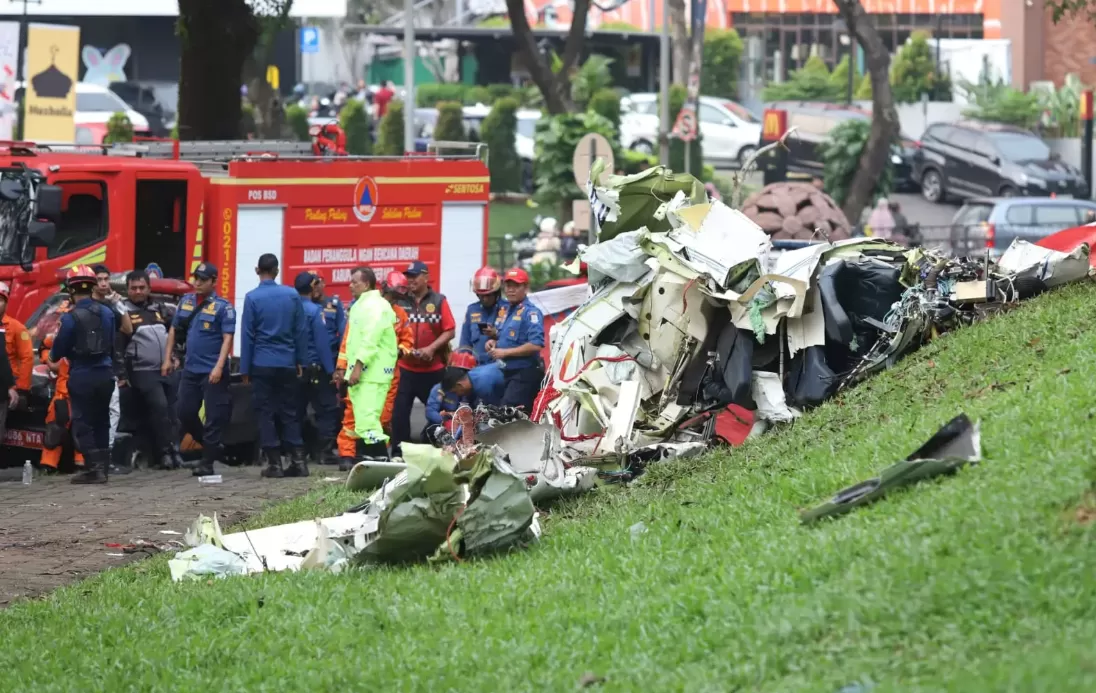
[(310, 39)]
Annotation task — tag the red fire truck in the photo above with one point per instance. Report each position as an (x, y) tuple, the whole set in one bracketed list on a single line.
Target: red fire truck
[(177, 204)]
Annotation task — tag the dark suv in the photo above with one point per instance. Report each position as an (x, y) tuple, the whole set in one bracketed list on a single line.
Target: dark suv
[(969, 159)]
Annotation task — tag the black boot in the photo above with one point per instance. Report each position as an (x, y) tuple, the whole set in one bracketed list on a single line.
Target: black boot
[(346, 464), (375, 451), (273, 468), (298, 465), (121, 457), (95, 468), (205, 467), (326, 454)]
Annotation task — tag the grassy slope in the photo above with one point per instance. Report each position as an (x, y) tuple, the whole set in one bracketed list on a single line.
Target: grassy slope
[(977, 583)]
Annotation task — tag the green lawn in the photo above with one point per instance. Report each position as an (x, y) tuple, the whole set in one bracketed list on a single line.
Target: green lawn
[(981, 582), (509, 218)]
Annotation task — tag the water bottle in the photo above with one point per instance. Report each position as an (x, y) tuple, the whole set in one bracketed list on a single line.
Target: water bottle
[(28, 473), (209, 480)]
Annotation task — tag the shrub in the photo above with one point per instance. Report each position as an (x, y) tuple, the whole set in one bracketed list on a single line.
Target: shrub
[(840, 78), (913, 72), (390, 135), (499, 132), (678, 94), (997, 102), (354, 120), (606, 102), (502, 91), (592, 77), (477, 94), (842, 159), (811, 83), (430, 95), (632, 162), (556, 139), (722, 54), (119, 129), (863, 90), (450, 125), (296, 117)]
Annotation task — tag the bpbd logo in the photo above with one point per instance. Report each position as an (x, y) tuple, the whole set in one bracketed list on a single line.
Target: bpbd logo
[(365, 199)]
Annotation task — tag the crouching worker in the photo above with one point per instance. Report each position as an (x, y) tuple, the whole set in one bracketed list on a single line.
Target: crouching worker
[(58, 416), (371, 360), (463, 382)]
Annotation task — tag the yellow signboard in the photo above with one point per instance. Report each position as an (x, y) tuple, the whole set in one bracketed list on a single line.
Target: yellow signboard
[(53, 58)]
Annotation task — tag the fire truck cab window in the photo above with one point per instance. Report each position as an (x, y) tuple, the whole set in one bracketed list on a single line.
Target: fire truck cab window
[(83, 217), (160, 225)]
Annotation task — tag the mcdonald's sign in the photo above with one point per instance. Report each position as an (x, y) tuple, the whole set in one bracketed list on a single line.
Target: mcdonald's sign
[(774, 124)]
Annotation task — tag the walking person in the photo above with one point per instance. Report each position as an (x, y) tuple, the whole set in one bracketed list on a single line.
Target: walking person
[(85, 338), (317, 387), (433, 327), (371, 359), (520, 340), (203, 326), (272, 356)]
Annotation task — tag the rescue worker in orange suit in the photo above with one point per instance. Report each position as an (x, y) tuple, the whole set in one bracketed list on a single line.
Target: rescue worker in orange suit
[(86, 338), (7, 384), (479, 319), (395, 286), (58, 416), (433, 326), (520, 339), (20, 351)]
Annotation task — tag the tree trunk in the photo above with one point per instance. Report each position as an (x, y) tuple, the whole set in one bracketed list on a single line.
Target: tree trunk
[(679, 39), (554, 86), (216, 40), (884, 120)]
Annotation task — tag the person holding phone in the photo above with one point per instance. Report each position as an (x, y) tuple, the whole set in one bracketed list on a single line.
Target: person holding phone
[(479, 320)]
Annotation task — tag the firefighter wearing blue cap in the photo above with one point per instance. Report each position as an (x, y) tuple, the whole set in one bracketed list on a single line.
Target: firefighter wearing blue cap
[(273, 353), (203, 328), (316, 386)]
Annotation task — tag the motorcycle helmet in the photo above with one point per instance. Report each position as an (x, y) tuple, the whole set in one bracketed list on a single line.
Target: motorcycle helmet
[(486, 280)]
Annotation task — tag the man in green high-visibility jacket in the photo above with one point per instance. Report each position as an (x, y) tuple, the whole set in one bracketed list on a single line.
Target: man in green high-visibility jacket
[(370, 360)]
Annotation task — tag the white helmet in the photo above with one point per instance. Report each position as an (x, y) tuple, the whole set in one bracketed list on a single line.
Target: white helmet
[(549, 225)]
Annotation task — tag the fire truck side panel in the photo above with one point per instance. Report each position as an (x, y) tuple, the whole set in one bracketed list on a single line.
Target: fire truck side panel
[(332, 218)]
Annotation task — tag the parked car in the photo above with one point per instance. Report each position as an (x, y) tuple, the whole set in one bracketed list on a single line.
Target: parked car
[(993, 223), (814, 122), (94, 107), (967, 159), (157, 101), (730, 132), (473, 117)]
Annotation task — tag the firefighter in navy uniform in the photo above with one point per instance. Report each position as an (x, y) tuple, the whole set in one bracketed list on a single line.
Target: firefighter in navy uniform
[(520, 327), (479, 320), (317, 387), (204, 324), (272, 357), (334, 315), (86, 338), (433, 326)]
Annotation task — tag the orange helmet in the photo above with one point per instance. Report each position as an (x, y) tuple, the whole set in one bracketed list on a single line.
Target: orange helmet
[(80, 274), (395, 281), (462, 359), (486, 281)]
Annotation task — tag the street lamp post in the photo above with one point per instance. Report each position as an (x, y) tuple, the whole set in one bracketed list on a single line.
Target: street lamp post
[(20, 59), (664, 89), (408, 76)]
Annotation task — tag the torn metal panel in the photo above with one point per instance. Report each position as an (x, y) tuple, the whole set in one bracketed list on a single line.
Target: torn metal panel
[(768, 393), (1052, 267), (532, 450), (621, 259), (619, 431), (809, 329), (955, 445)]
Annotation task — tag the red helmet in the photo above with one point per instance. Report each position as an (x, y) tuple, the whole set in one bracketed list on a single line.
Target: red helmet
[(5, 290), (486, 281), (395, 281), (80, 274), (462, 359)]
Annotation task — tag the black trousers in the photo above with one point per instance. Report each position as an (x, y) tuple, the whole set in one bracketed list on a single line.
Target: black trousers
[(90, 393), (195, 390), (147, 411), (274, 394), (522, 387), (412, 386)]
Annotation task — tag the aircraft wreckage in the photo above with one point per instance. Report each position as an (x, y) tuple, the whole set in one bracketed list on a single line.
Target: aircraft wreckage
[(688, 309)]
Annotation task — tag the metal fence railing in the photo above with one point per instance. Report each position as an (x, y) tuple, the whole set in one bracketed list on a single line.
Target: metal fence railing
[(975, 239)]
